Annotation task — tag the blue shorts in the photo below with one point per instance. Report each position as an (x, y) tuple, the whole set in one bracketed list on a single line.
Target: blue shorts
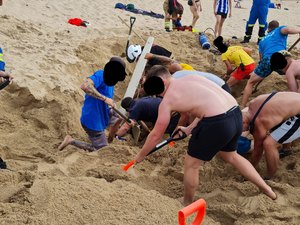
[(263, 69)]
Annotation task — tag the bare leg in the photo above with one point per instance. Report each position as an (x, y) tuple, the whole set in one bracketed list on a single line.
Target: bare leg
[(248, 89), (195, 12), (68, 139), (232, 81), (191, 178), (218, 17), (221, 26), (79, 144), (272, 155), (248, 171)]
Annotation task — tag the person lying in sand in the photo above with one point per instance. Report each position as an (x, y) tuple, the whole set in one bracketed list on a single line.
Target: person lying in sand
[(290, 67), (276, 123), (96, 115), (215, 130), (238, 56)]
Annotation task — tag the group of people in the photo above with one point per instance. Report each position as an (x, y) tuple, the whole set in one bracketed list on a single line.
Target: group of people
[(221, 9), (211, 114), (174, 10)]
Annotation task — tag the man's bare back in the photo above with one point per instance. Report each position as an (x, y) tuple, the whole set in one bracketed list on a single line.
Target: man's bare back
[(197, 95), (280, 107)]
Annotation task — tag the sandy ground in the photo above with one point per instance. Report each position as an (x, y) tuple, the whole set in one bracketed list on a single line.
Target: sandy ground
[(51, 58)]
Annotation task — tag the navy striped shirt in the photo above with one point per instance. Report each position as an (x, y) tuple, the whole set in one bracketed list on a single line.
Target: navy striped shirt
[(222, 6)]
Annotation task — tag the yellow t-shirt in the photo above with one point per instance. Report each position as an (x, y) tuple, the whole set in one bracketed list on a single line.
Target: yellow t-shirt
[(186, 66), (236, 55)]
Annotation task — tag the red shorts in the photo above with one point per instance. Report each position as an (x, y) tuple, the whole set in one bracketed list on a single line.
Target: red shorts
[(240, 74)]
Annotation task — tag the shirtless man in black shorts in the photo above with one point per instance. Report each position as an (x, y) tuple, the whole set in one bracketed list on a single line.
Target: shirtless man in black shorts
[(216, 129), (278, 122)]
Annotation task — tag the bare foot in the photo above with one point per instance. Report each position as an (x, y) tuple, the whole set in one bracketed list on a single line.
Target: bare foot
[(68, 139)]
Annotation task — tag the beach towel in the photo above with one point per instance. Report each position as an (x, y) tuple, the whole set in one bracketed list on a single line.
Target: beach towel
[(131, 8)]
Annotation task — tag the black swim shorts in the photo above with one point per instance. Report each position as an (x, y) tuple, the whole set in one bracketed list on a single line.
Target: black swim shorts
[(223, 15), (216, 133)]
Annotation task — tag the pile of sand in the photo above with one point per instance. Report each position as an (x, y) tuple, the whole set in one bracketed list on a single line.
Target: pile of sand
[(50, 59)]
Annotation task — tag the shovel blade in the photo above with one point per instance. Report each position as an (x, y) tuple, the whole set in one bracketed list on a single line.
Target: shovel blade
[(136, 132)]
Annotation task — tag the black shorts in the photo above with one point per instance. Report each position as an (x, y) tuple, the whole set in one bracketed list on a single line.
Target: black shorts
[(223, 15), (216, 133), (226, 88)]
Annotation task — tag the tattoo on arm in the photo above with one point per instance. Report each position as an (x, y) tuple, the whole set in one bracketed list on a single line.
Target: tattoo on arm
[(92, 91)]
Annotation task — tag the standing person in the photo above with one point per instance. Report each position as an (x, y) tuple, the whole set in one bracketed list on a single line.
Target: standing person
[(196, 8), (173, 12), (221, 9), (96, 115), (289, 66), (259, 11), (216, 129), (274, 41), (273, 120), (239, 57)]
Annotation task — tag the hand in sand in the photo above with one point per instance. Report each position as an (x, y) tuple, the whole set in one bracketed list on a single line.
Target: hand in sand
[(68, 139)]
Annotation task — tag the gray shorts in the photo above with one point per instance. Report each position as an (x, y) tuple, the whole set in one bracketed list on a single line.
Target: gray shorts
[(98, 138), (287, 131)]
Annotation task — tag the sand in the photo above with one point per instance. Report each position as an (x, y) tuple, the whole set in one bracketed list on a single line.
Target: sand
[(51, 58)]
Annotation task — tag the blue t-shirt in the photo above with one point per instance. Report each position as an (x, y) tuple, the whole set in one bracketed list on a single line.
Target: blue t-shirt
[(95, 113), (273, 42), (145, 109)]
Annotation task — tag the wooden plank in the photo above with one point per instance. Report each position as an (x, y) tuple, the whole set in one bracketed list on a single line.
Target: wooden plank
[(138, 72)]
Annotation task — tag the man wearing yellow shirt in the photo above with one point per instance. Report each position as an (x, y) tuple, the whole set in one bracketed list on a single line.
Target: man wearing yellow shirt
[(239, 57)]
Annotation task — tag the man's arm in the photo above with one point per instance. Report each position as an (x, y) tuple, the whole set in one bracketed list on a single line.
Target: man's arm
[(228, 67), (248, 50), (164, 59), (290, 30), (230, 7), (124, 129), (162, 122), (292, 82), (259, 136), (89, 88)]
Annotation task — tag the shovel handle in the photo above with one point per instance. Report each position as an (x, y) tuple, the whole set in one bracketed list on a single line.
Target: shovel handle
[(122, 115), (158, 146), (296, 42)]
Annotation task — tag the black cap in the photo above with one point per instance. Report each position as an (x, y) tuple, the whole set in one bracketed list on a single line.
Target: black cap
[(114, 71)]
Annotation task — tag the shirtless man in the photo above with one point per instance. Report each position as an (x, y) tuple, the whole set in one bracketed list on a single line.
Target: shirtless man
[(289, 66), (277, 123), (216, 129)]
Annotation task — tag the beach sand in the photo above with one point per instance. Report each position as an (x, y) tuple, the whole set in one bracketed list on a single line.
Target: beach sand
[(50, 58)]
